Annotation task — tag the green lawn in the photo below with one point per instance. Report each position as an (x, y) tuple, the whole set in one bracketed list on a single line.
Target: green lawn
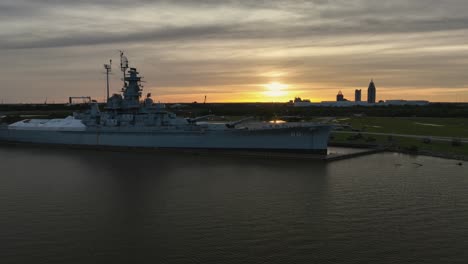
[(444, 127), (403, 142)]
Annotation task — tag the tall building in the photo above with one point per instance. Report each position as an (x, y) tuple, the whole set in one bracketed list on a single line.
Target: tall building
[(340, 97), (371, 93), (357, 95)]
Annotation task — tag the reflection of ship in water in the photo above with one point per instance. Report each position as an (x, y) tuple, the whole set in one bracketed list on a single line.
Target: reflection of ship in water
[(128, 122)]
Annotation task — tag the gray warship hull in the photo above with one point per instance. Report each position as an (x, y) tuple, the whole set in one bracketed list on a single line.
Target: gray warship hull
[(287, 139)]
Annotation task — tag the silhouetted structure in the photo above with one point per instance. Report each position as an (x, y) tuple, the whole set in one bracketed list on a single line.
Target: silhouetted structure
[(371, 93), (340, 97), (299, 100), (357, 95)]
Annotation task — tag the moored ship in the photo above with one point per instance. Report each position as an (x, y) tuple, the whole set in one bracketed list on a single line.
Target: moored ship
[(128, 121)]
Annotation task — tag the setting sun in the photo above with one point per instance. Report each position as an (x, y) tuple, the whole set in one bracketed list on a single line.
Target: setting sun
[(276, 89)]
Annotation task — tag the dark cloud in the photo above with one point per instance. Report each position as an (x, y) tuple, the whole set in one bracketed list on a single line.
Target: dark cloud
[(10, 11), (96, 38), (232, 32)]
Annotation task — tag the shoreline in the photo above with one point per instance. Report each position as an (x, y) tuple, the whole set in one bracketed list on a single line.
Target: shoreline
[(444, 155), (426, 153)]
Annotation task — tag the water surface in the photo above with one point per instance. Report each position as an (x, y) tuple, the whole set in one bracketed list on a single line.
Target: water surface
[(83, 206)]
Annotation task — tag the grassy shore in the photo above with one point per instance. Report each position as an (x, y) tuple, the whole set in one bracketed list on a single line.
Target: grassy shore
[(427, 127)]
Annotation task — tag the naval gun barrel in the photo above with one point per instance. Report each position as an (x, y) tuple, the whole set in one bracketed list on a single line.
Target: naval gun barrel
[(194, 120), (235, 123)]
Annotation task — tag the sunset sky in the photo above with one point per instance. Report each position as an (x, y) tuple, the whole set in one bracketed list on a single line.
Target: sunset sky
[(236, 51)]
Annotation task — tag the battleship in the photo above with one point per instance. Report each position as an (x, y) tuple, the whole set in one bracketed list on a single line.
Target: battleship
[(128, 120)]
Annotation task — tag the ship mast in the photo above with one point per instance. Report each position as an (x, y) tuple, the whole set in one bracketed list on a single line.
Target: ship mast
[(108, 70), (123, 65)]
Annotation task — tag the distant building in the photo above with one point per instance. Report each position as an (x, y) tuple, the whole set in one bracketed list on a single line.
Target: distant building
[(340, 97), (347, 103), (357, 95), (371, 93), (299, 100)]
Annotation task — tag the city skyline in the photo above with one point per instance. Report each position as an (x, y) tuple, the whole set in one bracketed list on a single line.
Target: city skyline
[(235, 52)]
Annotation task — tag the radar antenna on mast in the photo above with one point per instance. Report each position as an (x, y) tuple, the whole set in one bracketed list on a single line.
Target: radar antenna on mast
[(108, 68), (123, 65)]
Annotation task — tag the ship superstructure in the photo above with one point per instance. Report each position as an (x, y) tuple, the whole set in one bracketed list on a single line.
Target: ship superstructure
[(127, 109), (129, 121)]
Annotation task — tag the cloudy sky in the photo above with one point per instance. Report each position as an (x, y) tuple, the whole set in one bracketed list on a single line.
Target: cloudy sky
[(234, 50)]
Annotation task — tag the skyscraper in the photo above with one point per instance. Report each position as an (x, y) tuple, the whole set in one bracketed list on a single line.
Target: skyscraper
[(357, 95), (371, 93)]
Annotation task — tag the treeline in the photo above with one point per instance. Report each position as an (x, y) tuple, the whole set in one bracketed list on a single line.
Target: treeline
[(270, 110), (263, 110), (40, 107)]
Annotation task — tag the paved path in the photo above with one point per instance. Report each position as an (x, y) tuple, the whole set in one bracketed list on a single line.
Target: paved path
[(436, 138)]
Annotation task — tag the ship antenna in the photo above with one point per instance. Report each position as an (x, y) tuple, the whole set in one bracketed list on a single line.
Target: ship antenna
[(123, 65), (108, 70)]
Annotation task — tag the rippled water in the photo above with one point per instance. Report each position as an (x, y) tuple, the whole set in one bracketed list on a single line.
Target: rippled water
[(77, 206)]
